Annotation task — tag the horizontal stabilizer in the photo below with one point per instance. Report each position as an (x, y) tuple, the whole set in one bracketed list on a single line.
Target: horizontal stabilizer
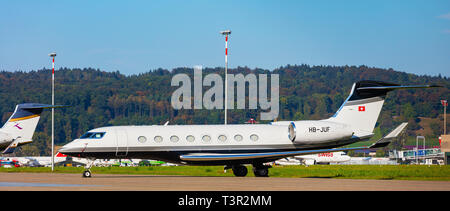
[(389, 137), (30, 110), (370, 89), (390, 88), (39, 105)]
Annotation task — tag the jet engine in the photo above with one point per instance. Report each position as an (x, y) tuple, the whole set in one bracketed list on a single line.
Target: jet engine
[(318, 132)]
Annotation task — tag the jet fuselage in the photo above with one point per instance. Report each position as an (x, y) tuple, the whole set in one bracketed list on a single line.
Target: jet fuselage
[(170, 142)]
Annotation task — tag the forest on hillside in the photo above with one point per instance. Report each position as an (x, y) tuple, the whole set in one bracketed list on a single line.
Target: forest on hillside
[(99, 98)]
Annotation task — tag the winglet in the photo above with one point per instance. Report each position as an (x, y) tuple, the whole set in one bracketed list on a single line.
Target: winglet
[(389, 137)]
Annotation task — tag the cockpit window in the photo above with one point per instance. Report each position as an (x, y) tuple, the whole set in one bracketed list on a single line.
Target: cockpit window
[(93, 135), (86, 135), (98, 135)]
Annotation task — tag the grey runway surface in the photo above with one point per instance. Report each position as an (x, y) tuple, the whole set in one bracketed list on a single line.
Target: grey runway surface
[(104, 182)]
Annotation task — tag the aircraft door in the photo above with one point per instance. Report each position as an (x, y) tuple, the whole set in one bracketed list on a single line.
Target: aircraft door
[(122, 143)]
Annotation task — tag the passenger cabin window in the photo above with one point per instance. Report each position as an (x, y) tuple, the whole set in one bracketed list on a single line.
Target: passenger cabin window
[(254, 137), (158, 139), (222, 138), (238, 137), (190, 138), (206, 138), (142, 139), (93, 135), (174, 139)]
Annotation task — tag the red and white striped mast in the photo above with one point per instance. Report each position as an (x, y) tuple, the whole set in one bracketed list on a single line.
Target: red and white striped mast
[(53, 55), (445, 104), (226, 33)]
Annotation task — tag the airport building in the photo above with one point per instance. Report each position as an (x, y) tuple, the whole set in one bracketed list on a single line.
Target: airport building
[(445, 147), (420, 156)]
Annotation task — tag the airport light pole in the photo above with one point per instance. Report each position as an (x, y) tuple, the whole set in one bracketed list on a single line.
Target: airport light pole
[(53, 55), (226, 33), (445, 104)]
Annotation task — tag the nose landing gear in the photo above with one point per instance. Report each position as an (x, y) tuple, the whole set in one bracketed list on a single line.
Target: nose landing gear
[(87, 169), (87, 173)]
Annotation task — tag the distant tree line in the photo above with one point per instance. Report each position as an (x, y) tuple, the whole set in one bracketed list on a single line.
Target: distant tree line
[(99, 98)]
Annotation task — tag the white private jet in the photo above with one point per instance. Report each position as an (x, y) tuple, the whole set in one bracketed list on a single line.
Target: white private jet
[(313, 159), (236, 145), (39, 160), (20, 127), (323, 158)]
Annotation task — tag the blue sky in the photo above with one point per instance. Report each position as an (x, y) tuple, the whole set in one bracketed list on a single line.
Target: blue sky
[(137, 36)]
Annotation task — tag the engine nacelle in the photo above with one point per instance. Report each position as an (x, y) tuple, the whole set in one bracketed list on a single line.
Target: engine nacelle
[(318, 132)]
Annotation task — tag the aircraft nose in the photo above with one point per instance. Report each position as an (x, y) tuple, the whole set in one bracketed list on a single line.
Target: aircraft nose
[(68, 148), (64, 149)]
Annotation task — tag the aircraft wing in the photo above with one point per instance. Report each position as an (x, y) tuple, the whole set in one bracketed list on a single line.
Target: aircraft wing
[(277, 155), (246, 156)]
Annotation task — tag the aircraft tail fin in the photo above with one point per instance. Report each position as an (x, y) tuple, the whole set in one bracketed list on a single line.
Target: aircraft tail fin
[(363, 106), (22, 123)]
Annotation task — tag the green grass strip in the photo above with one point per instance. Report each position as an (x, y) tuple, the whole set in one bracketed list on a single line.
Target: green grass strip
[(391, 172)]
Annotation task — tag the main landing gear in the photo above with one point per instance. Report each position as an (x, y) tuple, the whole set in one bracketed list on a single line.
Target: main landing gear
[(239, 170), (259, 170)]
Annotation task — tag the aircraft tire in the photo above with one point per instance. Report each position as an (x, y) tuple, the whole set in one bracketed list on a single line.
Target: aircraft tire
[(261, 172), (87, 174), (240, 171)]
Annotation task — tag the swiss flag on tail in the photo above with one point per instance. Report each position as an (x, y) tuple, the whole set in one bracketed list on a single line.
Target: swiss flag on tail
[(361, 108)]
